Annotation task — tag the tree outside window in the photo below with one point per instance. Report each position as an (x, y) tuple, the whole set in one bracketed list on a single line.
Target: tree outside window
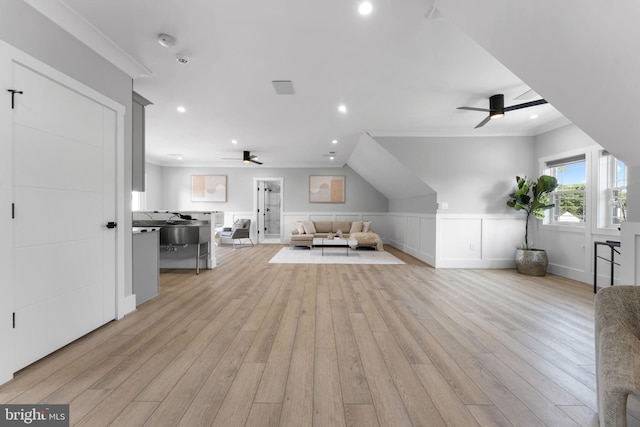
[(570, 196)]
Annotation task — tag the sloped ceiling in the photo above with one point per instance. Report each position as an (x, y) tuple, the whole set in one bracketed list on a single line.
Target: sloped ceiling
[(382, 170), (582, 56)]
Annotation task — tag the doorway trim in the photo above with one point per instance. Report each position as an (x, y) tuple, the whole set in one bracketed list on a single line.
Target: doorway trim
[(279, 180)]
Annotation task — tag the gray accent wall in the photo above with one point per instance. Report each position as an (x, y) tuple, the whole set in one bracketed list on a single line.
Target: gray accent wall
[(175, 194), (469, 174), (561, 140)]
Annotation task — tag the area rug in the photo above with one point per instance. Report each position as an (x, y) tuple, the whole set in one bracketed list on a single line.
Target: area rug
[(332, 256)]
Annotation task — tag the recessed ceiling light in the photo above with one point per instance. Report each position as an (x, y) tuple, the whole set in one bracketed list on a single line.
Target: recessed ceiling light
[(182, 58), (166, 40), (331, 158), (533, 116), (365, 8), (342, 108), (176, 156), (181, 109), (233, 141), (335, 141)]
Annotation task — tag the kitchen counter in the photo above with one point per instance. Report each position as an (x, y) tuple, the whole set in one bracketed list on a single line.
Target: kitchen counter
[(137, 230)]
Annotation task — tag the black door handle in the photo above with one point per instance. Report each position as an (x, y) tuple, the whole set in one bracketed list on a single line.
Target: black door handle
[(111, 224)]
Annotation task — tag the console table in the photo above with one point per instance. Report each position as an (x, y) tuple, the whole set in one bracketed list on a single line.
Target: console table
[(612, 244)]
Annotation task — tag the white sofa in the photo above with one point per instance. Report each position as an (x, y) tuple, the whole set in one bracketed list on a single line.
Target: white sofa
[(360, 231)]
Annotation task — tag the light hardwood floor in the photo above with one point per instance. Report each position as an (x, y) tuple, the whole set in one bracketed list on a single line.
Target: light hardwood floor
[(257, 344)]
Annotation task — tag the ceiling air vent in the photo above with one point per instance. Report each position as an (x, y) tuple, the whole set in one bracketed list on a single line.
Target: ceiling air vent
[(283, 87)]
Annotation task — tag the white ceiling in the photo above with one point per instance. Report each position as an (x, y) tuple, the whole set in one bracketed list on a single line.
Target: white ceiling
[(400, 71)]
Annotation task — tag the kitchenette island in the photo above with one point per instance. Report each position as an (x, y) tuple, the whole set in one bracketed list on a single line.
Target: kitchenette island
[(170, 239)]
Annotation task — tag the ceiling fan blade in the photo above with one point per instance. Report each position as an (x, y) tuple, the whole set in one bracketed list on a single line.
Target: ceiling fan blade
[(255, 161), (474, 109), (482, 123), (526, 104)]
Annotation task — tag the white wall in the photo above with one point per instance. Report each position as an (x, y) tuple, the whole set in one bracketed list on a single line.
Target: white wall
[(471, 175)]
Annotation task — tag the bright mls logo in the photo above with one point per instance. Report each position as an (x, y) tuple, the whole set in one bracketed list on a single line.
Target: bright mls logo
[(34, 415)]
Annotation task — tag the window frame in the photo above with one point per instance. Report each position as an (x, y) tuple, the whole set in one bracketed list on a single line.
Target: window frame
[(548, 166), (608, 186)]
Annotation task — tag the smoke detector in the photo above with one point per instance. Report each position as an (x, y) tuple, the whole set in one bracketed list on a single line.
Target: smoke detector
[(166, 40), (182, 58)]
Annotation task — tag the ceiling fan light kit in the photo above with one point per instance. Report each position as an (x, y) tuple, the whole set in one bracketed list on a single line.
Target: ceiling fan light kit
[(497, 108), (247, 157)]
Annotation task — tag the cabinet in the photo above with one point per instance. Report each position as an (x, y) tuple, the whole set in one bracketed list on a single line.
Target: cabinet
[(146, 272), (138, 140)]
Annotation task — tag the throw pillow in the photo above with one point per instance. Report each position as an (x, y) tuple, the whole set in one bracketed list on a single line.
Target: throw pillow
[(309, 228), (300, 227), (356, 227), (366, 226)]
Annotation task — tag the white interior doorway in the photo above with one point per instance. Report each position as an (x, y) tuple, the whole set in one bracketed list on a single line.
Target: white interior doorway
[(65, 151), (268, 206)]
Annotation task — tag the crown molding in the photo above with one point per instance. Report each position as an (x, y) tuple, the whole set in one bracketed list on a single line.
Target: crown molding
[(69, 20)]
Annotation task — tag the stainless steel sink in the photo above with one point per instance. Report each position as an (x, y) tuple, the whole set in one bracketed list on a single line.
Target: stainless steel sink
[(187, 234), (180, 232)]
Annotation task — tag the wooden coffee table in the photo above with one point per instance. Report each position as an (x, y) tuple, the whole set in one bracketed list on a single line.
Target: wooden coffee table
[(334, 242)]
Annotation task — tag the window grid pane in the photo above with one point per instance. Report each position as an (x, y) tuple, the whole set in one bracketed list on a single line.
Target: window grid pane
[(570, 196)]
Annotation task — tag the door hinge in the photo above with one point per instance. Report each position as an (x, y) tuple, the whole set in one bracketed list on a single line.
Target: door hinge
[(14, 320)]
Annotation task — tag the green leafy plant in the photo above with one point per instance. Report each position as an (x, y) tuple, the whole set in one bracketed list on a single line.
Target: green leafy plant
[(533, 198)]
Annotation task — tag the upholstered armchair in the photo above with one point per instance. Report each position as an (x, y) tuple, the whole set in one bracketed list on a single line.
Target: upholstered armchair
[(240, 230), (617, 329)]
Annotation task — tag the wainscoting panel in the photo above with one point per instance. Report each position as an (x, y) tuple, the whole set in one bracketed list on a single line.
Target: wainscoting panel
[(477, 240), (501, 237), (461, 239), (630, 248), (414, 234)]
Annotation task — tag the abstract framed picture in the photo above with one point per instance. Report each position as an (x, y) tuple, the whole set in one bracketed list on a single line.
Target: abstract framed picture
[(208, 188), (326, 188)]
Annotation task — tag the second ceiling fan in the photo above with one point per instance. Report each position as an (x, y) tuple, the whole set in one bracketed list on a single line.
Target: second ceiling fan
[(247, 157), (497, 109)]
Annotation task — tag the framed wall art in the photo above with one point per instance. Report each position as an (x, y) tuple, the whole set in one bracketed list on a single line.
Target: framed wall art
[(208, 188), (326, 188)]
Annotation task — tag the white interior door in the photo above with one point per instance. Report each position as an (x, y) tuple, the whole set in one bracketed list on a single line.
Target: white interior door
[(64, 194)]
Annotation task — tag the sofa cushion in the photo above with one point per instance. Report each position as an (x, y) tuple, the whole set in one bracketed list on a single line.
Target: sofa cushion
[(356, 227), (300, 227), (301, 237), (309, 227), (343, 226), (366, 226), (323, 226)]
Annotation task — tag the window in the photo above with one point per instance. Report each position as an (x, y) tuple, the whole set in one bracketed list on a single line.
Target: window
[(570, 196), (613, 184)]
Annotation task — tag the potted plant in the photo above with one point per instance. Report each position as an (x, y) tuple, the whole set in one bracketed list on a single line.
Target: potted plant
[(533, 198)]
